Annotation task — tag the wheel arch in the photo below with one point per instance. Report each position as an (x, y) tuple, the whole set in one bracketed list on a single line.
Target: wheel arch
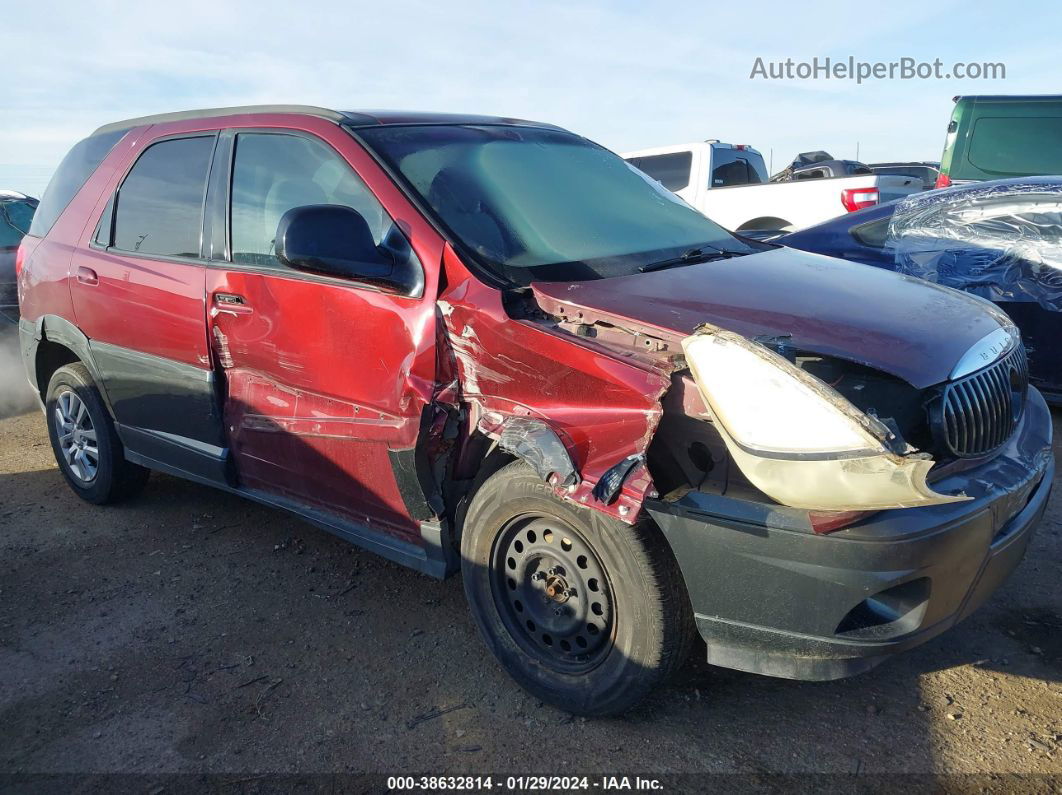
[(765, 223), (56, 342), (549, 454)]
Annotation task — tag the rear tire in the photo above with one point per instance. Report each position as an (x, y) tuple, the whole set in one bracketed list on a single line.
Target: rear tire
[(86, 446), (585, 612)]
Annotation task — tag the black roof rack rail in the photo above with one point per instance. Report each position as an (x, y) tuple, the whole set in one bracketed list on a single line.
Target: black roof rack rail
[(349, 118), (208, 113)]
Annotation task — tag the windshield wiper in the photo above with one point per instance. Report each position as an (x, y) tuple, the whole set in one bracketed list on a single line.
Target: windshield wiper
[(690, 257)]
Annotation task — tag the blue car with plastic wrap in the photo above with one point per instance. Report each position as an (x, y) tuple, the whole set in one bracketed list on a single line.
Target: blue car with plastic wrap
[(16, 212), (1000, 240)]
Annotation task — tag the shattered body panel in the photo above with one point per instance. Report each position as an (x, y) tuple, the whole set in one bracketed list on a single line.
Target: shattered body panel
[(604, 406)]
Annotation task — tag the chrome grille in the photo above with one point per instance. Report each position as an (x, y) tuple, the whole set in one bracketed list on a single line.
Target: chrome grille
[(980, 411)]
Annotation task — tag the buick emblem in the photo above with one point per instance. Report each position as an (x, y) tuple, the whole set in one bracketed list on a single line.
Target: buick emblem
[(986, 350)]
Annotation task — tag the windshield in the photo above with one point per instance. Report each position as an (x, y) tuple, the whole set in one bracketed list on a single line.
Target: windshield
[(544, 205)]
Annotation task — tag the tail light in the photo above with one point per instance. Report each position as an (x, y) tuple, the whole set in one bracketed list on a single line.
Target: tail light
[(20, 256), (824, 522), (943, 180), (857, 198)]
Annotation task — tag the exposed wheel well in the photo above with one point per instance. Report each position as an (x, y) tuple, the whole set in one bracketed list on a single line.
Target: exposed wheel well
[(50, 357), (493, 459), (765, 223)]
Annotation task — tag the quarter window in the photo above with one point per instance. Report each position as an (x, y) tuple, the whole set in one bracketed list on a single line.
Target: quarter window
[(274, 173), (735, 167), (160, 204), (72, 174), (872, 233), (671, 170)]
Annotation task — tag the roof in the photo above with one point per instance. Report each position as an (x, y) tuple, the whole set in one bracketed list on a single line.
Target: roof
[(372, 118), (929, 163), (1009, 97), (12, 195), (349, 118)]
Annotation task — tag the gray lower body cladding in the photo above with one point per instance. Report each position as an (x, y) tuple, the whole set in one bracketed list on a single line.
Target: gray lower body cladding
[(776, 599)]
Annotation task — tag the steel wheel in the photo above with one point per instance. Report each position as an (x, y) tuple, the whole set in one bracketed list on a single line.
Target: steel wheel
[(76, 436), (552, 593), (586, 612)]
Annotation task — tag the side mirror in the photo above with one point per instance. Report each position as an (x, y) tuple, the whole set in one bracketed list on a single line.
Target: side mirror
[(334, 240)]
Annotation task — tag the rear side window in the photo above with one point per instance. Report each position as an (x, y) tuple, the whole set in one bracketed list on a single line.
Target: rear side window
[(672, 170), (872, 233), (733, 167), (160, 203), (274, 173), (1017, 146), (70, 177)]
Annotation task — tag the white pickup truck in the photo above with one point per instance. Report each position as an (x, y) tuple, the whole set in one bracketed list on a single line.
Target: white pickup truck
[(729, 184)]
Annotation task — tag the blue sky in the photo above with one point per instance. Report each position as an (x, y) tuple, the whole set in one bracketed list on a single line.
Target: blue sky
[(627, 74)]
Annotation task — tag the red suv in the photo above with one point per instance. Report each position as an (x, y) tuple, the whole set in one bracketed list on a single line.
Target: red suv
[(491, 345)]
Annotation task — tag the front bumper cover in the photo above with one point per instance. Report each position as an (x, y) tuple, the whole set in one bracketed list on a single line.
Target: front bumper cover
[(773, 598)]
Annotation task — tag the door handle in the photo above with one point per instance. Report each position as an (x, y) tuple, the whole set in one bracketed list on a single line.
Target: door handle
[(230, 304), (87, 276)]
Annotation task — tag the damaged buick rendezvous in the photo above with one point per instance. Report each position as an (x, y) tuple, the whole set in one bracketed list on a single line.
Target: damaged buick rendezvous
[(490, 345)]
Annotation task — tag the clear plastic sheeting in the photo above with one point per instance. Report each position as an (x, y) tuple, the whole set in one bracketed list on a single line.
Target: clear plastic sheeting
[(1000, 240)]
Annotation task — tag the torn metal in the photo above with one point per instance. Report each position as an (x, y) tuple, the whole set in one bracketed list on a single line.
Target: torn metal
[(797, 439), (571, 399), (536, 443)]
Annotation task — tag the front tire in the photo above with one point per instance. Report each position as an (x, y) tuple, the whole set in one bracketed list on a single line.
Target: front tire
[(86, 446), (585, 612)]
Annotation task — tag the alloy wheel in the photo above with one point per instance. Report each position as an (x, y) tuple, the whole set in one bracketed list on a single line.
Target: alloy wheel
[(77, 436)]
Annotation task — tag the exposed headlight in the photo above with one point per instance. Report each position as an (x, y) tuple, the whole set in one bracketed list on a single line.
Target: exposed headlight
[(796, 438)]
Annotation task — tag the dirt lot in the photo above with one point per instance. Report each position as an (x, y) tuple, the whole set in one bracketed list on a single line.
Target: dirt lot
[(191, 632)]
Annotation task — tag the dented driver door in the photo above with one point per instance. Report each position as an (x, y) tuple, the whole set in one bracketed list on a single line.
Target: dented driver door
[(325, 380)]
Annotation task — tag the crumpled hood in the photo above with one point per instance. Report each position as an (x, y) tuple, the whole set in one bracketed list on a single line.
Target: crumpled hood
[(897, 324)]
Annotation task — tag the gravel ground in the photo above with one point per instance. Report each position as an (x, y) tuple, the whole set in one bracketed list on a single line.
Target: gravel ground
[(192, 632)]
